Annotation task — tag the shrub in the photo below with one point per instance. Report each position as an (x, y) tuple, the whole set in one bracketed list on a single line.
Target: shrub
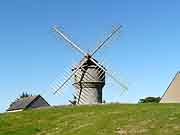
[(150, 100)]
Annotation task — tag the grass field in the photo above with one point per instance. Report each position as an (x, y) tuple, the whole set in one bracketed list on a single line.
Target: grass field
[(110, 119)]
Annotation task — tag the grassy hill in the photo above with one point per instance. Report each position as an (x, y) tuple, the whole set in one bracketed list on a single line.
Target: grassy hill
[(111, 119)]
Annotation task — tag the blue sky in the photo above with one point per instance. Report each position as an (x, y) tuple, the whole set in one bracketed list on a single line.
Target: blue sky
[(145, 53)]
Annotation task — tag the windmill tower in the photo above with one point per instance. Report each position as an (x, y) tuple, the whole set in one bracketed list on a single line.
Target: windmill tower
[(89, 74), (89, 82)]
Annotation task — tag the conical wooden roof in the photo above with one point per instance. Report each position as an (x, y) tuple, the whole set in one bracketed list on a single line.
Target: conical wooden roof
[(172, 94)]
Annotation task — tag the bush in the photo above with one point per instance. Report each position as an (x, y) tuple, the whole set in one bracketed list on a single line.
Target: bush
[(150, 100), (25, 94)]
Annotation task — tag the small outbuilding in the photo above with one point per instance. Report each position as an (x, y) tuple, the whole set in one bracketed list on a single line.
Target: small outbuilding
[(172, 93), (28, 102)]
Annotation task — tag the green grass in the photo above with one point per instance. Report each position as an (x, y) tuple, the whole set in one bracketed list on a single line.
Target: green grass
[(111, 119)]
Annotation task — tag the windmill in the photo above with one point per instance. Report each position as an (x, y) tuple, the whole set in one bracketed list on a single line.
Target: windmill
[(89, 74)]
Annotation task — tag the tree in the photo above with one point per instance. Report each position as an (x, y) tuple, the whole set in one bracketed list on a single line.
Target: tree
[(150, 100), (25, 94)]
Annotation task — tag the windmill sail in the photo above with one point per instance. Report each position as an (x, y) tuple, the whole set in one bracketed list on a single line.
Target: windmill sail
[(172, 94)]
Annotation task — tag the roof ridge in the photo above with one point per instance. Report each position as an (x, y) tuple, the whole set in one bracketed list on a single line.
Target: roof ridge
[(28, 97)]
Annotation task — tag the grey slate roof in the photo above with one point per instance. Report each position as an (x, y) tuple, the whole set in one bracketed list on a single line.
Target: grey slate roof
[(22, 103)]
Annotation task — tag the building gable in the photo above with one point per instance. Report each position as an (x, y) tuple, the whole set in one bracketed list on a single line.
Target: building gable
[(172, 94), (38, 102)]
